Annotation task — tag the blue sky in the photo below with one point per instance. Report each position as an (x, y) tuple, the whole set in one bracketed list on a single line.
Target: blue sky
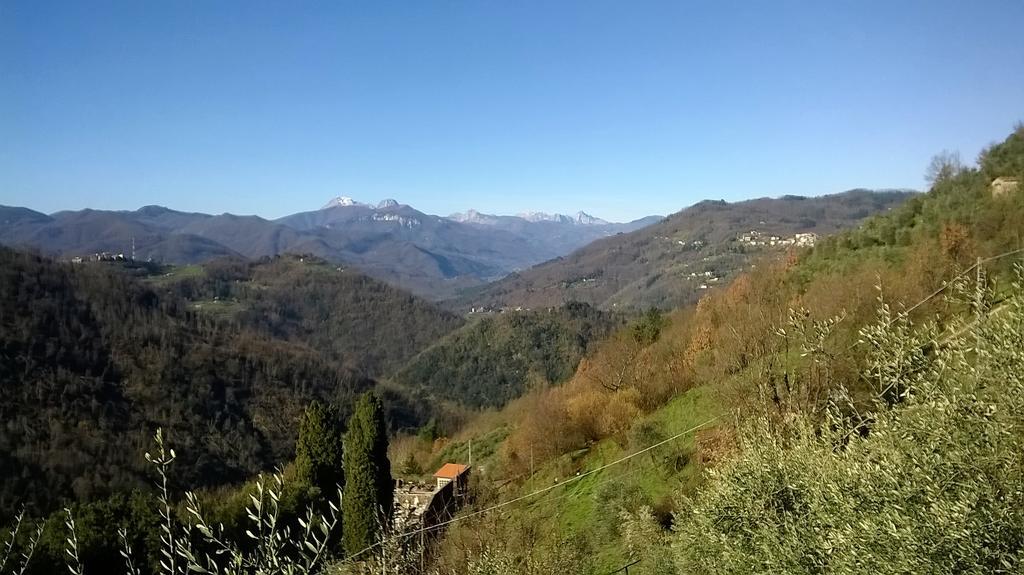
[(618, 108)]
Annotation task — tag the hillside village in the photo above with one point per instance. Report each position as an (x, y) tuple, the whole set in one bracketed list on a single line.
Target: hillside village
[(755, 238)]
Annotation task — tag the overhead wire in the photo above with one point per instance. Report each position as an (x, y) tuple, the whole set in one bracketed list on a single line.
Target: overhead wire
[(943, 288), (535, 493), (623, 459)]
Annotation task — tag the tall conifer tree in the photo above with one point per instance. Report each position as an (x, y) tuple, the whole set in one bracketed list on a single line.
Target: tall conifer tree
[(318, 451), (368, 484)]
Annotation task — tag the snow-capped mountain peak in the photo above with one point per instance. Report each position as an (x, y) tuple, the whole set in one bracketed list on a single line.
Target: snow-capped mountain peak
[(585, 219), (388, 203), (472, 216), (544, 217), (341, 201), (581, 218)]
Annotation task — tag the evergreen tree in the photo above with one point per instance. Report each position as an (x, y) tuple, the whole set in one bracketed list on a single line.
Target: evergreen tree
[(368, 486), (648, 328), (318, 450)]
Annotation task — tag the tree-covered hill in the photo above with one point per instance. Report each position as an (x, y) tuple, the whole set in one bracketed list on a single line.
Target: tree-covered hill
[(674, 261), (860, 409), (92, 360), (334, 311), (497, 357)]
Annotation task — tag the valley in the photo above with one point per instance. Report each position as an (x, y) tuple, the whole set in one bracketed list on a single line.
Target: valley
[(596, 419), (432, 256), (511, 288), (671, 263)]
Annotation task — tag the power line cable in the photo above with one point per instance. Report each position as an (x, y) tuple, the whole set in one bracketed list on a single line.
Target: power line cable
[(945, 285), (623, 459), (534, 493)]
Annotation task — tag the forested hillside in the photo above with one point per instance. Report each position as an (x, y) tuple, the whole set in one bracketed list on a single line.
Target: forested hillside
[(429, 255), (497, 357), (674, 261), (93, 359), (842, 409), (337, 312), (864, 391)]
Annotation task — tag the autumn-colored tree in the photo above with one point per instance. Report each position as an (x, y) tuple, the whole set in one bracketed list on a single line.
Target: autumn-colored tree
[(620, 412), (544, 430), (585, 409), (956, 243), (614, 363)]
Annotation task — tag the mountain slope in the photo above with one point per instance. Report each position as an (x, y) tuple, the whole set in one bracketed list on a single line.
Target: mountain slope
[(92, 360), (802, 356), (374, 236), (429, 255), (87, 232), (675, 260), (11, 216), (339, 313), (497, 357), (553, 233)]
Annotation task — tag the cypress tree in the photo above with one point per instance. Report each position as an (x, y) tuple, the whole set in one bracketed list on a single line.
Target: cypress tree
[(318, 451), (368, 483)]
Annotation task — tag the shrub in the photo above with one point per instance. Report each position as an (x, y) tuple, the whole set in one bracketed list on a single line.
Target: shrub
[(930, 481)]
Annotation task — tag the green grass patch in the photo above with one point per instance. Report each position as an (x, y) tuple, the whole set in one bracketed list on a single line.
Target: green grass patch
[(217, 307), (589, 506), (173, 273), (485, 450)]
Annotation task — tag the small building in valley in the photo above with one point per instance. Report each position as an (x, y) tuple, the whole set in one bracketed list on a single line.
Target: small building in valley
[(452, 472), (425, 505)]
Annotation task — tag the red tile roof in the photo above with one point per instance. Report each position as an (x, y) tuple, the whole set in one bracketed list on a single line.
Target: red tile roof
[(451, 470)]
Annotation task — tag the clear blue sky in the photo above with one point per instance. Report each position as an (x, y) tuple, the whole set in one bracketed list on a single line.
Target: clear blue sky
[(619, 108)]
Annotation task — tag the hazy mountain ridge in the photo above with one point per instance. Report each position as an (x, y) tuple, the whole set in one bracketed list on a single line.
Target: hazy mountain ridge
[(650, 261), (431, 255), (673, 261)]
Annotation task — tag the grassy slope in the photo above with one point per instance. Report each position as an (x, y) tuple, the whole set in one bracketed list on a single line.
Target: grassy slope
[(574, 508), (578, 507)]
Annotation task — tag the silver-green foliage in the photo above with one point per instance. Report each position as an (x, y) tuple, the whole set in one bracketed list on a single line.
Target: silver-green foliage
[(396, 553), (198, 547), (15, 557), (930, 481), (561, 559), (645, 540)]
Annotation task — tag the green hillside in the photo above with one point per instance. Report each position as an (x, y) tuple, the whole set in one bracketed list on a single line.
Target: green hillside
[(845, 420), (497, 357), (93, 358), (334, 311), (675, 261)]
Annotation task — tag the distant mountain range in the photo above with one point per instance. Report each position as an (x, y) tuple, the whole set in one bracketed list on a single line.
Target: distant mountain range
[(674, 261), (431, 255), (580, 219)]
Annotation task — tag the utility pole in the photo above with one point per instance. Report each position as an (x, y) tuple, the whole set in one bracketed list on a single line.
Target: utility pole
[(471, 453), (979, 301)]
